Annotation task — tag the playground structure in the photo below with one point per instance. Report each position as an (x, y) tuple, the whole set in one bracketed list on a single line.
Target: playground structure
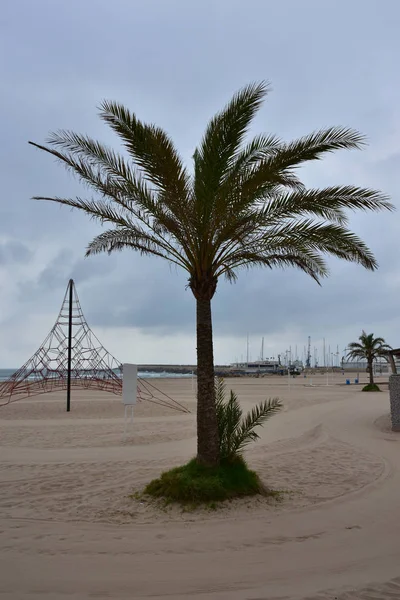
[(72, 358)]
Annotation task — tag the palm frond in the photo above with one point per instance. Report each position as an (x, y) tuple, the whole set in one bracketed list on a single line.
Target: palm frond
[(257, 171), (152, 149), (229, 274), (307, 261), (245, 163), (100, 166), (253, 187), (155, 241), (133, 238), (334, 198), (127, 190), (229, 415), (338, 241), (314, 145), (327, 203), (98, 210), (354, 354), (236, 432), (301, 243), (385, 347), (257, 417), (222, 139), (96, 154), (111, 177), (258, 149), (356, 346)]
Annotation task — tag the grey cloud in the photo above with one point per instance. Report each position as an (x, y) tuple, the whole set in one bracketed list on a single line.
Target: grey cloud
[(150, 296), (84, 270), (13, 251), (52, 280)]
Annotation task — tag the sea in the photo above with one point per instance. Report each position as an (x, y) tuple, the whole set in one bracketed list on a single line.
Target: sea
[(6, 373)]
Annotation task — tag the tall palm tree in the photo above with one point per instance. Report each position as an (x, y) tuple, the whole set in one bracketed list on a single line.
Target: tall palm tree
[(368, 349), (242, 205)]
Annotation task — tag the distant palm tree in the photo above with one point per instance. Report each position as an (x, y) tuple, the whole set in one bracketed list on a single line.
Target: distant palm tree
[(242, 206), (368, 349)]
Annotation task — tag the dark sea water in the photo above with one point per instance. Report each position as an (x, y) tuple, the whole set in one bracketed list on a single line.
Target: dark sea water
[(6, 373)]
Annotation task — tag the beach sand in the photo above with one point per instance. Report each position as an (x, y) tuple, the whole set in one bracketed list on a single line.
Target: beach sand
[(70, 528)]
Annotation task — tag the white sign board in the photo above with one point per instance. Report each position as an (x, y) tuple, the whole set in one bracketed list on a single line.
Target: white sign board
[(129, 383)]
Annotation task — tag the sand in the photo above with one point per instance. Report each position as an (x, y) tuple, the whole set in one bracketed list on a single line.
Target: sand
[(70, 528)]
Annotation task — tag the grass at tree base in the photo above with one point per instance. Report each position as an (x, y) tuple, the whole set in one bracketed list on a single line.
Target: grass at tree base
[(371, 387), (197, 484)]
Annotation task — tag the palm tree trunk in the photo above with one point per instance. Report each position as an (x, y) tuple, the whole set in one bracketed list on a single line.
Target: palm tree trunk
[(207, 426), (371, 372)]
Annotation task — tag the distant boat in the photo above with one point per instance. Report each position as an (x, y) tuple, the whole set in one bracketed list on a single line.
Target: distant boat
[(259, 366)]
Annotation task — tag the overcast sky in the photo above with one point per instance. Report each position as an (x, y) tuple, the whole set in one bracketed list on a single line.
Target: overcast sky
[(175, 63)]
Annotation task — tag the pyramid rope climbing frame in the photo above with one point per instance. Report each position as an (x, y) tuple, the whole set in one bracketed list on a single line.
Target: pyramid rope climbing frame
[(72, 358)]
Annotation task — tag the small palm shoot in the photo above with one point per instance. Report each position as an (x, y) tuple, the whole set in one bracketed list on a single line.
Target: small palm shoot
[(236, 431)]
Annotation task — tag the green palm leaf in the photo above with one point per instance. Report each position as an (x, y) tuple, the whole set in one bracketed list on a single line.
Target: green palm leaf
[(257, 417), (222, 140), (235, 431)]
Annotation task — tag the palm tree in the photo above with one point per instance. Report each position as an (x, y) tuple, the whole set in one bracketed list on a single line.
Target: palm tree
[(368, 349), (243, 205)]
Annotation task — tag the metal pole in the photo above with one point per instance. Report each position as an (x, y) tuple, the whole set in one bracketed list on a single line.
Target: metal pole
[(71, 285)]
